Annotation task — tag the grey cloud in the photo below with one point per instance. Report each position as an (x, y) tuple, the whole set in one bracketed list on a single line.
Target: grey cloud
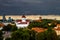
[(28, 2), (33, 6), (32, 1)]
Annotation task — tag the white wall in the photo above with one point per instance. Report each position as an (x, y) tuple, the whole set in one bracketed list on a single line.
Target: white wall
[(21, 25)]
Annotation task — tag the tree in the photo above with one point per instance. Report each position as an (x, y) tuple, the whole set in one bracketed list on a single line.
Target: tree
[(40, 36), (43, 24), (14, 28), (8, 39), (58, 37), (16, 36), (50, 34), (10, 27), (1, 38), (32, 35), (7, 28), (21, 34), (25, 35), (47, 35), (35, 24)]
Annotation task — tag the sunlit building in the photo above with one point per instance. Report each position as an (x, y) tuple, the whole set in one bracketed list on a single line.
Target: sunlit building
[(22, 23)]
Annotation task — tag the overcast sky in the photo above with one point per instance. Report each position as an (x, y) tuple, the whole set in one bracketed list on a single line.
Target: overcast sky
[(29, 7)]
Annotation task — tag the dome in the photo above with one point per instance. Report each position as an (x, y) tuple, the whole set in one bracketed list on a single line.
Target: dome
[(23, 16)]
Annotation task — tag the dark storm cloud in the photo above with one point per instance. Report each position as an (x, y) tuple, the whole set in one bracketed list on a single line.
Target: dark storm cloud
[(18, 2), (29, 6), (37, 3)]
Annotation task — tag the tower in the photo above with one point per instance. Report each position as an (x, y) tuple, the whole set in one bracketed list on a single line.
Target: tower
[(40, 18), (23, 18), (4, 19)]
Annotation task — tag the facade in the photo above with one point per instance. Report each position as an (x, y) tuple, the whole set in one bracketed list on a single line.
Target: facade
[(57, 29), (22, 23)]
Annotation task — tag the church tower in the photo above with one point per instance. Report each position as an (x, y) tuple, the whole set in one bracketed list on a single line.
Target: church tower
[(23, 18)]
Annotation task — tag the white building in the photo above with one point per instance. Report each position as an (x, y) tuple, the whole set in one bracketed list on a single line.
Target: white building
[(22, 23)]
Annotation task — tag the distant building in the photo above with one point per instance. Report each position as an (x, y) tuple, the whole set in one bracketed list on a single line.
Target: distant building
[(4, 19), (22, 23), (38, 30), (1, 26), (57, 26), (39, 20), (9, 19), (57, 29)]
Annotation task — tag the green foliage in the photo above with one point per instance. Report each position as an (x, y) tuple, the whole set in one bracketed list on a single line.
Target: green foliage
[(1, 38), (34, 24), (10, 27), (43, 24), (32, 35), (58, 37), (7, 28), (40, 36), (58, 21), (14, 28), (51, 34), (26, 34), (8, 39), (47, 35), (21, 34)]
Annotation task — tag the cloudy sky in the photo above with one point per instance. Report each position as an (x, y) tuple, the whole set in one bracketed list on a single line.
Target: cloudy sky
[(29, 7)]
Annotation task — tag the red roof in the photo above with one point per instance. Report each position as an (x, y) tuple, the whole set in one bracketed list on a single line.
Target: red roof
[(58, 25), (57, 28), (38, 29), (2, 25), (20, 22)]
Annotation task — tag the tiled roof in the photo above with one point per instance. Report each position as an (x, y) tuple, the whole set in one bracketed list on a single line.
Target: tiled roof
[(38, 29), (2, 25), (58, 24), (20, 22), (42, 29), (57, 28)]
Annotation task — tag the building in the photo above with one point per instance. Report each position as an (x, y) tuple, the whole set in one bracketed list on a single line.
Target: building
[(36, 29), (4, 19), (9, 19), (57, 29), (1, 26), (39, 20), (22, 23)]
